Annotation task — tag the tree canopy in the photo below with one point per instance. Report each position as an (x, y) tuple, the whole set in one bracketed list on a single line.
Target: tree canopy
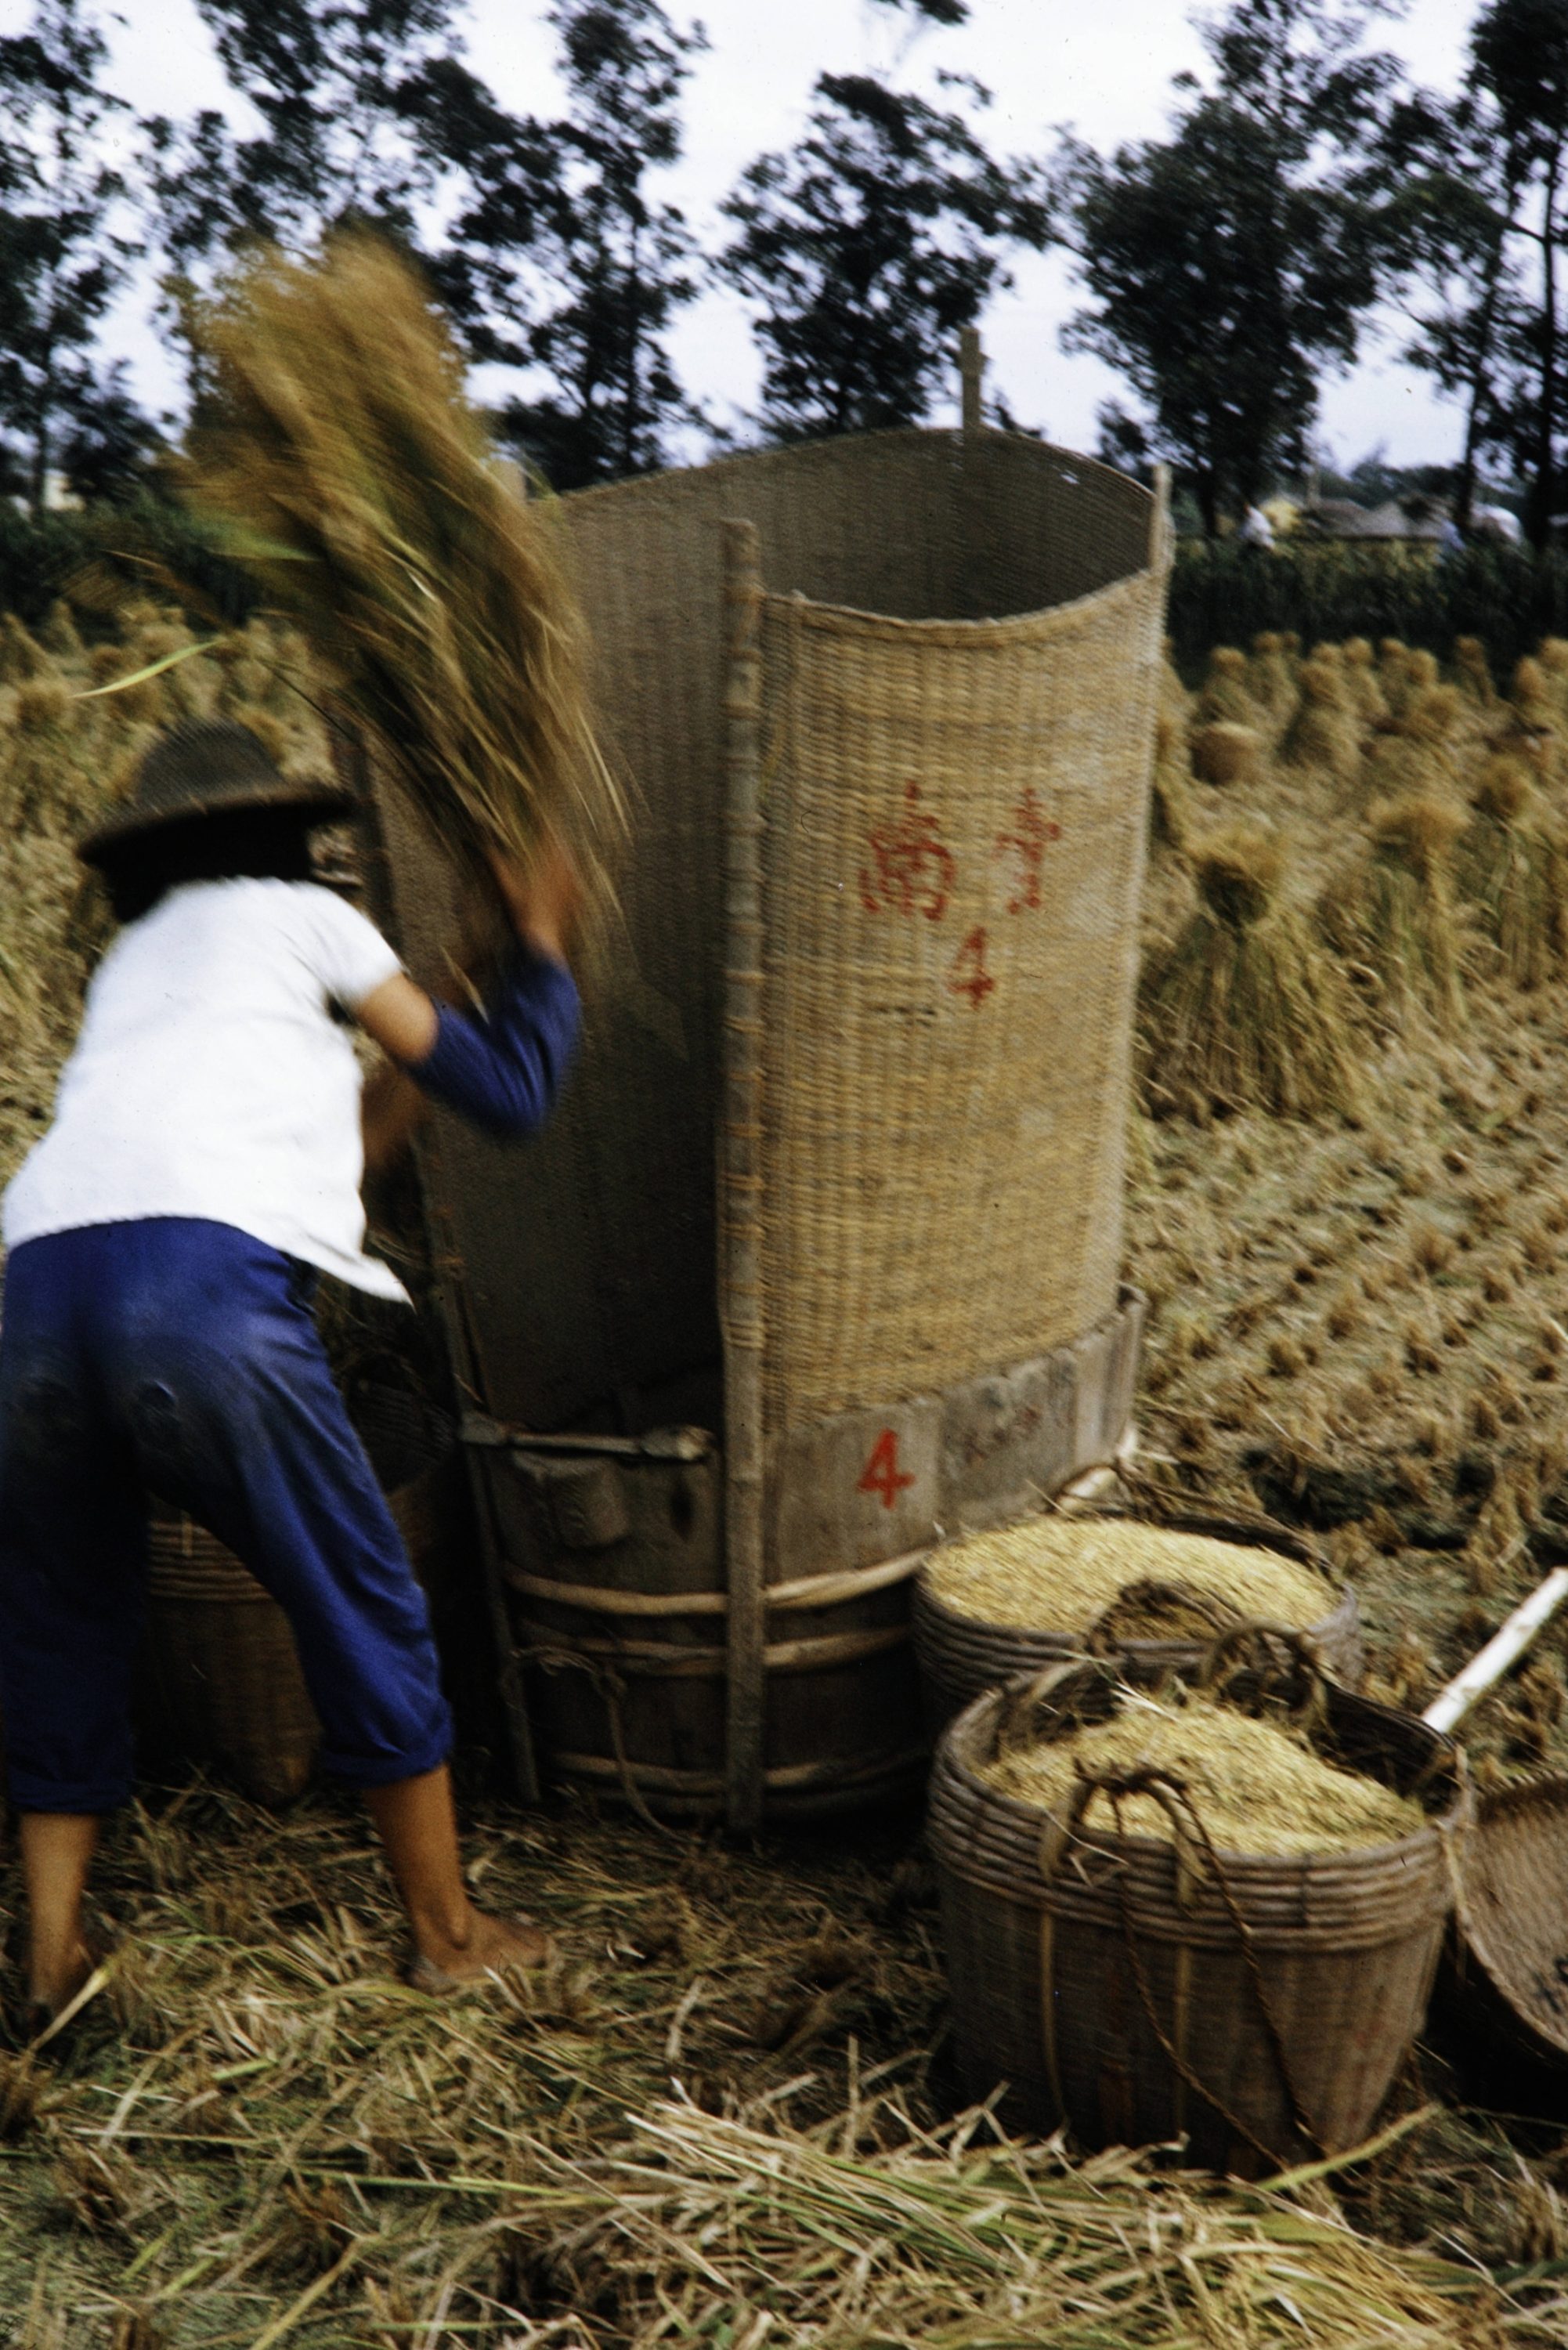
[(868, 246), (1229, 265)]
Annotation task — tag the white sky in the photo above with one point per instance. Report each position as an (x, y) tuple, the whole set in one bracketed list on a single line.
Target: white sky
[(1103, 67)]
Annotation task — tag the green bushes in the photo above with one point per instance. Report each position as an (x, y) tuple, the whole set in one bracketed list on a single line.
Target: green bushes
[(1223, 594), (95, 555)]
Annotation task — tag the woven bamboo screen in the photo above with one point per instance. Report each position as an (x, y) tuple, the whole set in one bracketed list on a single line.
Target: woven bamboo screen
[(589, 1259), (953, 857)]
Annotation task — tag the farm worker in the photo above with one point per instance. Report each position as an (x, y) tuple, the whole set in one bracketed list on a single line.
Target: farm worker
[(164, 1240)]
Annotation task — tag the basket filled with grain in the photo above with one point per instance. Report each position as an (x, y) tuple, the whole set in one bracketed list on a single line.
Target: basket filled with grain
[(1200, 1915), (1015, 1599)]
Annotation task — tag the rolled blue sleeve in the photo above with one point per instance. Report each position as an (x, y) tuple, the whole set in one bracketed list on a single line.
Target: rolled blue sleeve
[(503, 1069)]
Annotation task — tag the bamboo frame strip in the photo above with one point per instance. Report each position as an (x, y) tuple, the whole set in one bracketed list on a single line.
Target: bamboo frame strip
[(808, 1591), (740, 1288)]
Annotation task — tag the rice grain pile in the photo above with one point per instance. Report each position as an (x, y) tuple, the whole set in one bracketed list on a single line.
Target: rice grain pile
[(1256, 1786), (1062, 1573)]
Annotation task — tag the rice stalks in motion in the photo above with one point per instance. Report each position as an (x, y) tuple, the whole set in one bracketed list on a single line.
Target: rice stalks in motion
[(1514, 869), (1393, 911), (349, 470), (1244, 1010)]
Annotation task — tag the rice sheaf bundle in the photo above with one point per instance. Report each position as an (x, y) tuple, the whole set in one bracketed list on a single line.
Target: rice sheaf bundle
[(1242, 1011), (1324, 738), (1513, 868), (346, 469), (1394, 912), (1474, 670), (1361, 682), (1226, 698)]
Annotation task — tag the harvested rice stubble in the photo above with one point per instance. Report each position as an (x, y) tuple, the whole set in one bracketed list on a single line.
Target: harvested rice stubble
[(1257, 1787)]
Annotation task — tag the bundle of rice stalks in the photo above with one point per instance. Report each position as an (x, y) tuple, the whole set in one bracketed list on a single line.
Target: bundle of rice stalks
[(59, 635), (1474, 672), (1393, 912), (1174, 698), (1512, 867), (348, 469), (1258, 1786), (870, 2231), (1534, 702), (1552, 655), (1058, 1574), (1169, 807), (1224, 699), (1270, 680), (1394, 672), (1227, 753), (1361, 683), (1324, 738), (1416, 752), (21, 655), (1242, 1011)]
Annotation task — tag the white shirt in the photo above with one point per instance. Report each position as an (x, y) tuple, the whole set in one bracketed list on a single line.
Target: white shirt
[(211, 1077)]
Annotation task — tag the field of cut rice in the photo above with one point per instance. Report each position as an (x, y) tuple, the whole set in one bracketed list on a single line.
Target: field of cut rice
[(726, 2116)]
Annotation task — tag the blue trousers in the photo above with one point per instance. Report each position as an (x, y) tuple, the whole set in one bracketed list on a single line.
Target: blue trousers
[(179, 1357)]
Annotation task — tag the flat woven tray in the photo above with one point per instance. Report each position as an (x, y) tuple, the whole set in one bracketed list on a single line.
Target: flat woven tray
[(1506, 1987)]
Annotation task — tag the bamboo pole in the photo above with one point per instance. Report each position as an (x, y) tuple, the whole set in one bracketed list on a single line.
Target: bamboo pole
[(971, 373), (739, 1267), (1508, 1643)]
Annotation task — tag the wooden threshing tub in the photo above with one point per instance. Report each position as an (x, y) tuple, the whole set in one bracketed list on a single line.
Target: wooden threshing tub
[(820, 1253)]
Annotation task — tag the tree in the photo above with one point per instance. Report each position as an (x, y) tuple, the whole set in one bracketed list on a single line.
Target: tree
[(1519, 51), (62, 257), (341, 87), (1231, 264), (1458, 182), (565, 259), (868, 246)]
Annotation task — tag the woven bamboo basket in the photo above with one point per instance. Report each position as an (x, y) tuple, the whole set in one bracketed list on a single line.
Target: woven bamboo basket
[(219, 1680), (1261, 2014), (838, 1177), (1503, 1994), (962, 1655)]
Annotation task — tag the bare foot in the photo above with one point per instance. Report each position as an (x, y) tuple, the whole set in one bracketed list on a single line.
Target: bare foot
[(492, 1946), (52, 1988)]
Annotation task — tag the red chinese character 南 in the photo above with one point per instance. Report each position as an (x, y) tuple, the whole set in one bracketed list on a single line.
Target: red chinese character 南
[(911, 872), (1028, 843)]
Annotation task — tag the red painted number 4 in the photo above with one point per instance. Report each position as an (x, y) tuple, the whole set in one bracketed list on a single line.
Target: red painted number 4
[(882, 1474), (969, 975)]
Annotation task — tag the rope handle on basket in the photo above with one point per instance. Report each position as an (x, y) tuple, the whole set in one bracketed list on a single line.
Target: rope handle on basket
[(1187, 1830), (1264, 1641), (1100, 1640), (1020, 1703)]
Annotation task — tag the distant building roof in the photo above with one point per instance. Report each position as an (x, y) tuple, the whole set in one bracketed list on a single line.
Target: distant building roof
[(1343, 518)]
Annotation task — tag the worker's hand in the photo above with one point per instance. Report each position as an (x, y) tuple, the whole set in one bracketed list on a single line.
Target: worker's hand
[(543, 899)]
